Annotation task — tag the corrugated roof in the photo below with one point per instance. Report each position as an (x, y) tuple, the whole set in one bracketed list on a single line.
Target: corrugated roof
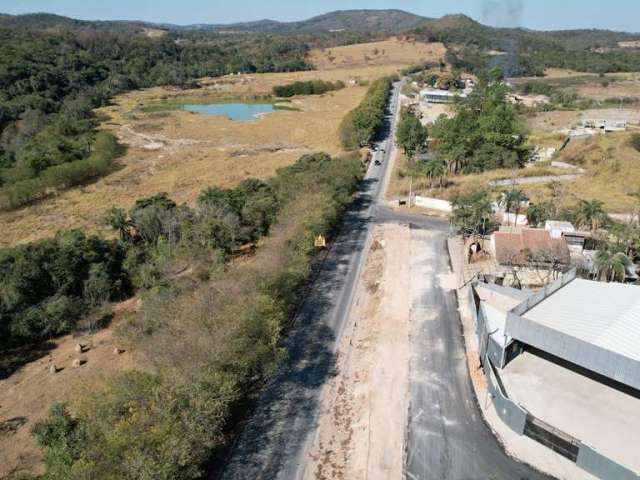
[(530, 245), (603, 314)]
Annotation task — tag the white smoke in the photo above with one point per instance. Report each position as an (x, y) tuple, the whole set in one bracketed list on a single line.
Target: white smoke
[(502, 13)]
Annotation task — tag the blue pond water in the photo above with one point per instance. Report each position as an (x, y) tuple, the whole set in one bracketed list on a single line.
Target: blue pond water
[(235, 111)]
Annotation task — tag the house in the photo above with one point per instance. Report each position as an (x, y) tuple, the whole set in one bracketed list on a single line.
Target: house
[(435, 95), (528, 256), (557, 228)]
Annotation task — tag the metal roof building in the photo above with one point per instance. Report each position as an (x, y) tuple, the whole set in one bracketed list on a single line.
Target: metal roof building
[(593, 325)]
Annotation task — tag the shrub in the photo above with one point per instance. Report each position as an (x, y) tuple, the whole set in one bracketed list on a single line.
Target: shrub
[(311, 87), (62, 176)]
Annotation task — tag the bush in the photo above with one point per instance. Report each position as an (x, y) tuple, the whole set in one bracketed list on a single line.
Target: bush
[(66, 175), (311, 87)]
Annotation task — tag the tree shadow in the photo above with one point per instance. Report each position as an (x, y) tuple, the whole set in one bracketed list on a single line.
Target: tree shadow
[(12, 359), (11, 425)]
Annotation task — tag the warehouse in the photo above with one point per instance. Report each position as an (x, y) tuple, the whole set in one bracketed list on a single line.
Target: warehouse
[(563, 367)]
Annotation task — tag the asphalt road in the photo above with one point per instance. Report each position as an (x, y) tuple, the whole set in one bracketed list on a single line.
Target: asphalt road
[(274, 444), (447, 438)]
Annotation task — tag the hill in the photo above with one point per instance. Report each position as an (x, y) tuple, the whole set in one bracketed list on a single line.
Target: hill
[(523, 52), (351, 20)]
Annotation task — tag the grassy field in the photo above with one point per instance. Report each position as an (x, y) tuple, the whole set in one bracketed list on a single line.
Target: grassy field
[(393, 52), (181, 153), (612, 175)]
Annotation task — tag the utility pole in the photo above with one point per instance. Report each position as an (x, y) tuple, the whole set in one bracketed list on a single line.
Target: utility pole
[(410, 189)]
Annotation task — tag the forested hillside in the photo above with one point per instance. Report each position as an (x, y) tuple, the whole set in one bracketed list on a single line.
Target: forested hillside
[(522, 52), (51, 82)]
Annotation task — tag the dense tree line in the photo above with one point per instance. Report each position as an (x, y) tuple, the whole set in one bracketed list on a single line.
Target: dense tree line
[(360, 126), (484, 133), (311, 87), (51, 82), (211, 343)]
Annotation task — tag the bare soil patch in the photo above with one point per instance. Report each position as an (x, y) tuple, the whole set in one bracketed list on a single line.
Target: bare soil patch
[(363, 412), (27, 393)]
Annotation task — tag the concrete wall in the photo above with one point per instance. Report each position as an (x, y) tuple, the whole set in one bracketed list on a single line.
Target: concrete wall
[(514, 416), (601, 467), (433, 203)]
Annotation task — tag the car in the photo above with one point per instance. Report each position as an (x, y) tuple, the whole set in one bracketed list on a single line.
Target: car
[(377, 162)]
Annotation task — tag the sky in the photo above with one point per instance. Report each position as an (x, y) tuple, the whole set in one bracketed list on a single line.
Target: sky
[(537, 14)]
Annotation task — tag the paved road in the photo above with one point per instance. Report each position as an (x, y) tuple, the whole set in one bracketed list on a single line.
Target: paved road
[(447, 436), (447, 439), (275, 443)]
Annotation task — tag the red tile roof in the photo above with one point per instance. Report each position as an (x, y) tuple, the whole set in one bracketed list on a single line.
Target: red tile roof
[(530, 245)]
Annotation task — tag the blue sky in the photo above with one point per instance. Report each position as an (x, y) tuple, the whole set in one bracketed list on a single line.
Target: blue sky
[(539, 14)]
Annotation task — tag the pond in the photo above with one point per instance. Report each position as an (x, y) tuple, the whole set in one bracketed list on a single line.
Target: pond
[(235, 111)]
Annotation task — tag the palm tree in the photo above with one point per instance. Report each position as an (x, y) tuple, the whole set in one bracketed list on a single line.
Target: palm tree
[(590, 213), (512, 199), (435, 169), (611, 266)]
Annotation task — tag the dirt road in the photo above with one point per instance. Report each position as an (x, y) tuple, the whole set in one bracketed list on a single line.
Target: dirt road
[(363, 412)]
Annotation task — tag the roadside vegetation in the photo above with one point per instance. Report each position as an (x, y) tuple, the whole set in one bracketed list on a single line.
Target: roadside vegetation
[(360, 127), (411, 135), (209, 330), (312, 87)]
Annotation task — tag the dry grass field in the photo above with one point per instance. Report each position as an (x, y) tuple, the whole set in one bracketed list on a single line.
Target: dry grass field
[(394, 52), (612, 171), (182, 153)]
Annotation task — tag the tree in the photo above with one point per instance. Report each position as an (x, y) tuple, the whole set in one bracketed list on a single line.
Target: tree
[(411, 135), (484, 133), (590, 214), (611, 266), (511, 200), (472, 213), (539, 213), (116, 218), (434, 169)]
